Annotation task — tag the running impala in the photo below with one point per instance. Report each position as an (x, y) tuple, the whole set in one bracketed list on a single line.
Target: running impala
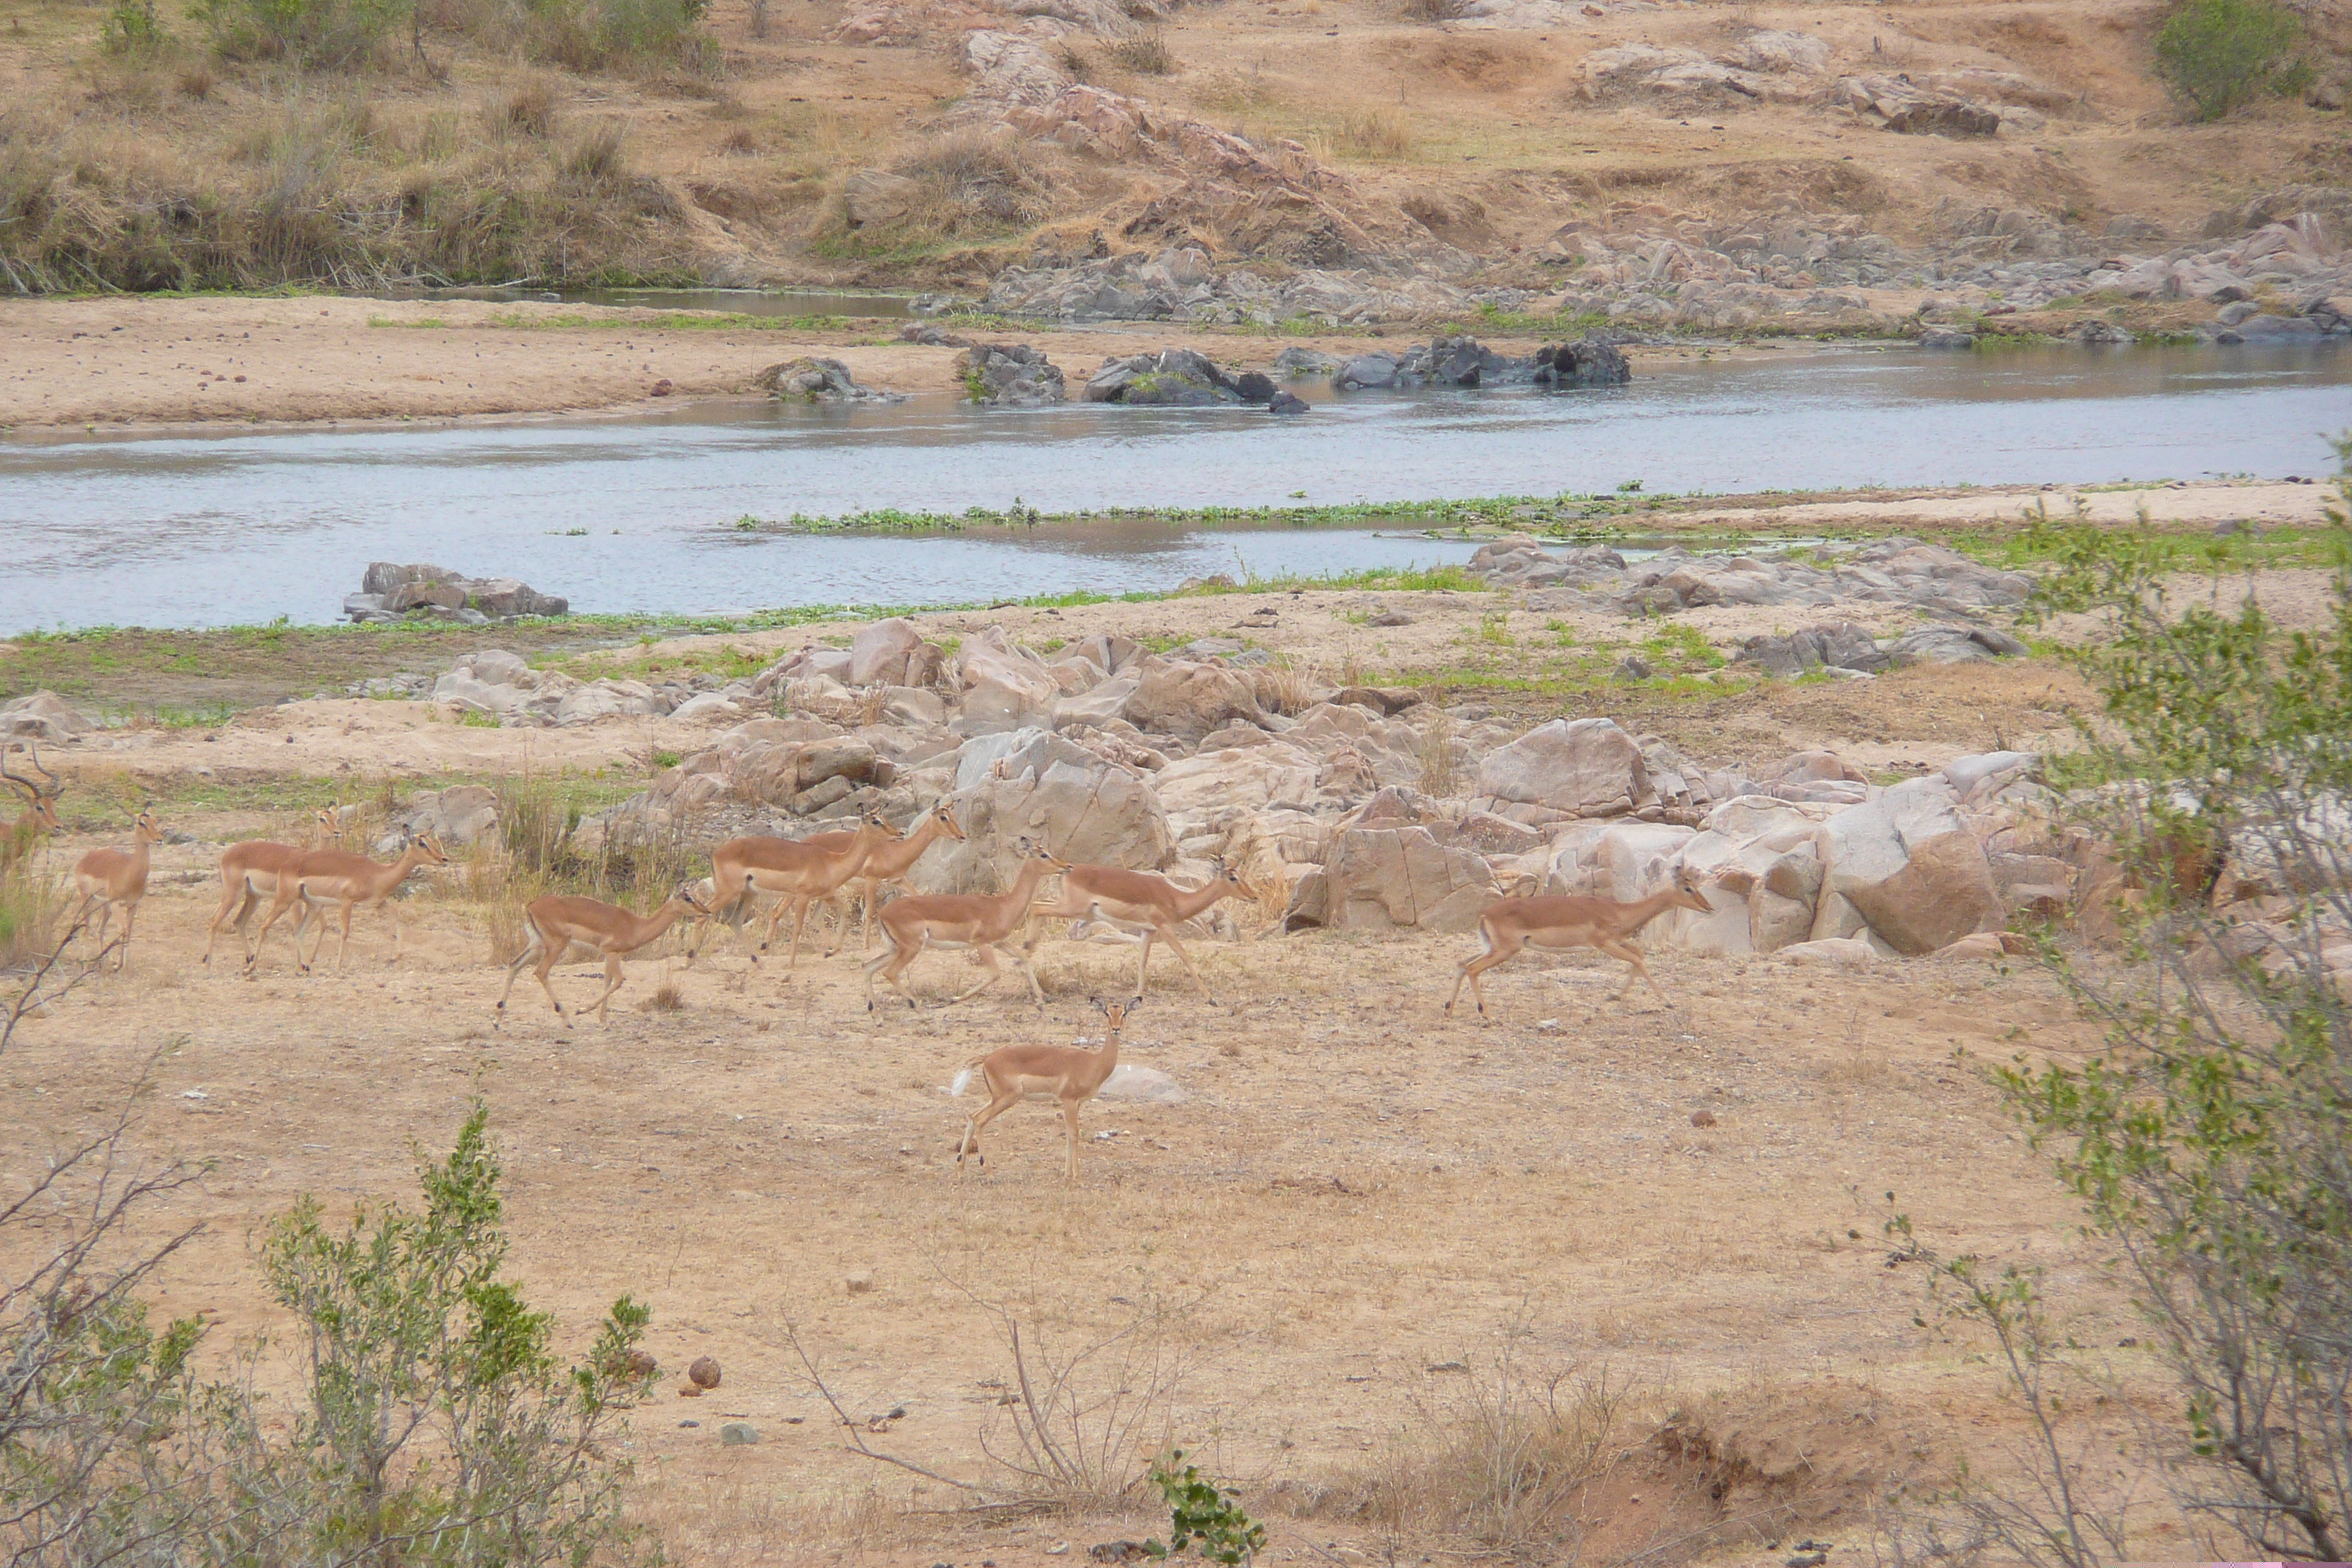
[(980, 922), (323, 877), (793, 872), (249, 872), (556, 923), (1158, 906), (1555, 924)]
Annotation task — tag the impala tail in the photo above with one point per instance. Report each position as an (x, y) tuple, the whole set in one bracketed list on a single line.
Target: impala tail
[(962, 1082)]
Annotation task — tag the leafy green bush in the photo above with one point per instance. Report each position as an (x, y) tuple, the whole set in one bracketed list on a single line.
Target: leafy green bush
[(433, 1424), (2221, 54), (333, 34), (131, 28), (1203, 1516)]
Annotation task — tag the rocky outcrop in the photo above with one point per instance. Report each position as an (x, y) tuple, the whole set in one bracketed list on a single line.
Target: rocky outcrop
[(1381, 878), (1188, 701), (500, 684), (1467, 361), (1953, 644), (461, 816), (42, 716), (1837, 646), (1009, 376), (808, 379), (1032, 783), (1175, 377), (389, 591), (1906, 866), (1892, 571), (1586, 766), (1896, 103)]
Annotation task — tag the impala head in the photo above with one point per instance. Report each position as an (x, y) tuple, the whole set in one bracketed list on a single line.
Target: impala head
[(1034, 849), (328, 822), (694, 896), (943, 813), (146, 830), (870, 819), (1686, 893), (429, 849), (41, 796), (1115, 1013), (1232, 877)]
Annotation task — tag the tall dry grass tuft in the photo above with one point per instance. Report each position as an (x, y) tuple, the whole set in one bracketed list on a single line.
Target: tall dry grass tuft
[(1377, 131), (1282, 687), (1145, 54), (1435, 753), (1506, 1460), (968, 184), (30, 911), (528, 109), (600, 156)]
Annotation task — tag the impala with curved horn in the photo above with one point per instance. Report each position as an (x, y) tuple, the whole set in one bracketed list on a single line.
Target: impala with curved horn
[(40, 812)]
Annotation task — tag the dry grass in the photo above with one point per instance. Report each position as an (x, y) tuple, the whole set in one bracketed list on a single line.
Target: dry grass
[(30, 907), (1438, 770), (528, 109), (666, 998), (970, 184), (1283, 688), (740, 140), (1145, 54)]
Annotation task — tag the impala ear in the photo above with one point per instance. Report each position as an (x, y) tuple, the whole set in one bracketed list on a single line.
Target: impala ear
[(1133, 1002)]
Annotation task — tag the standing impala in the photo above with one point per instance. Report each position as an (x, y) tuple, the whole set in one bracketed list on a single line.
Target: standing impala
[(556, 923), (1559, 924), (334, 876), (1063, 1073), (250, 870), (981, 922), (40, 812), (1140, 899), (888, 863), (794, 872), (110, 877)]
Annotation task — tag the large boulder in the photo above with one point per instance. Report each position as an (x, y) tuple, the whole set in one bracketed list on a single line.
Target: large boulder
[(44, 716), (1908, 866), (1588, 362), (1249, 778), (1009, 376), (1587, 766), (1005, 686), (879, 655), (1032, 783), (1953, 644), (389, 591), (1191, 701), (1171, 377), (1840, 644), (1381, 878), (812, 380), (460, 816)]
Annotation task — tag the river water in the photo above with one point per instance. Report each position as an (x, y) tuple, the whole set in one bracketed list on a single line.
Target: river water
[(637, 513)]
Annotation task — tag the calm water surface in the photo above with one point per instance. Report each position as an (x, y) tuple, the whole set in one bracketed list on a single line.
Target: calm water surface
[(637, 514)]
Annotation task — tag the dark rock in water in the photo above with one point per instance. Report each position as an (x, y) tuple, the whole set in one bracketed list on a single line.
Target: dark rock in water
[(1254, 386), (1458, 362), (808, 379), (1296, 362), (389, 591), (1588, 362), (1947, 338), (1367, 371), (1009, 376), (1171, 378), (1284, 402)]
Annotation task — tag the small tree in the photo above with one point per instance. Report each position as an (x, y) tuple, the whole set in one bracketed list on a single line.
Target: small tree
[(2212, 1142), (2221, 54)]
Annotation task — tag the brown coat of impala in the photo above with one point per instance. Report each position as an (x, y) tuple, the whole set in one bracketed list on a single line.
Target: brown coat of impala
[(794, 872), (336, 876), (40, 814), (249, 872), (557, 923), (981, 922), (888, 863), (1140, 899), (110, 877), (1556, 923), (1067, 1074)]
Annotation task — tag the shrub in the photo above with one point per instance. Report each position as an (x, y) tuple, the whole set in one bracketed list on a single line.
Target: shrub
[(2219, 55), (338, 35), (1145, 54), (131, 28), (527, 111), (601, 155)]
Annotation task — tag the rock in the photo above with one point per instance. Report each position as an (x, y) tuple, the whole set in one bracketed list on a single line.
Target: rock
[(873, 196), (44, 716), (858, 1284), (389, 589), (1838, 950), (1286, 403), (880, 654), (1842, 645), (1587, 766), (1032, 783), (1190, 701), (1895, 104), (604, 700), (1004, 686), (1586, 362), (704, 1373), (1141, 1085), (1367, 371), (1909, 866), (1171, 377), (707, 708), (1953, 644), (739, 1433), (1979, 944), (1009, 376), (812, 379), (1702, 1119), (460, 816), (1297, 362), (1378, 879), (1385, 701)]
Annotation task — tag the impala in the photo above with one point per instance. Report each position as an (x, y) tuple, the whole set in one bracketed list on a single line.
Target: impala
[(1132, 898), (981, 922), (40, 812), (250, 870), (110, 877), (891, 863), (557, 923), (335, 876), (794, 872), (1557, 924), (1063, 1073)]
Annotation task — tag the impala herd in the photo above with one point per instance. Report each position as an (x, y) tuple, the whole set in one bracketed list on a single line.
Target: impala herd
[(790, 876)]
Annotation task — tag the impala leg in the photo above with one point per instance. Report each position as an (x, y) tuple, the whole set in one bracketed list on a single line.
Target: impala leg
[(613, 982), (995, 973), (278, 907), (1070, 1122), (800, 920), (890, 966), (549, 954), (529, 951), (392, 913), (230, 893), (105, 917), (1168, 934), (1143, 964), (122, 957), (1633, 955), (1037, 992), (995, 1108), (1471, 968)]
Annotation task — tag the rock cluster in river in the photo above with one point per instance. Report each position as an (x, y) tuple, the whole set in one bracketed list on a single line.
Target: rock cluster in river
[(1898, 571), (812, 379), (390, 592)]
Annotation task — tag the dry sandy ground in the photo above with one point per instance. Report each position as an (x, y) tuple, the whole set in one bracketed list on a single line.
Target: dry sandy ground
[(1357, 1190)]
